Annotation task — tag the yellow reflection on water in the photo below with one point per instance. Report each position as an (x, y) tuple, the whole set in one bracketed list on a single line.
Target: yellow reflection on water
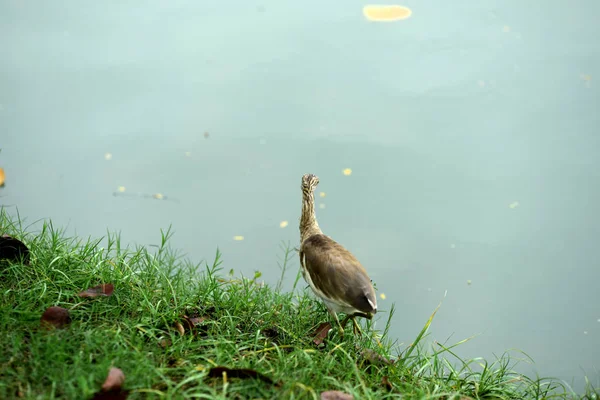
[(386, 12)]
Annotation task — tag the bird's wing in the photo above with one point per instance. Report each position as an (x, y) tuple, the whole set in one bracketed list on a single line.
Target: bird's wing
[(337, 273)]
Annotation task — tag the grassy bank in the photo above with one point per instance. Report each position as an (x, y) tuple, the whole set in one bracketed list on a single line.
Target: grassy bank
[(169, 325)]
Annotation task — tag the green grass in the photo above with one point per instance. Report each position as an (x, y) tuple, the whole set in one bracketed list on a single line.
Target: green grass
[(247, 325)]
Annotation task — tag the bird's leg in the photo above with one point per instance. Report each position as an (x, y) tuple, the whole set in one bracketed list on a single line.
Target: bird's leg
[(337, 321), (356, 327)]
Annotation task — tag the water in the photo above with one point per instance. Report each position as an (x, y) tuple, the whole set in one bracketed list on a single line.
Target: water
[(470, 129)]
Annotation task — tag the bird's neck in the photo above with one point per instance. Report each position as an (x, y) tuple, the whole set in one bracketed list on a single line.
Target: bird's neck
[(308, 220)]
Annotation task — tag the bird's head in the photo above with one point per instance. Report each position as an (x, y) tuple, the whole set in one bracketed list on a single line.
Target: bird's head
[(309, 183)]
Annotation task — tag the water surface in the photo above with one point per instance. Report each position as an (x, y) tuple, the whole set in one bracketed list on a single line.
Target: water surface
[(470, 129)]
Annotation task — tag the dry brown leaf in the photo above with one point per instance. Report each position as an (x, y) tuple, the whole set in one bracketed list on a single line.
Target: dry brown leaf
[(179, 328), (104, 289), (2, 177), (336, 395), (55, 317), (321, 333), (114, 380), (13, 250), (112, 387), (385, 381), (193, 321)]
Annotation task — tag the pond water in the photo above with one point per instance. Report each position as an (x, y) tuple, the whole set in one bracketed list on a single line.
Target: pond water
[(470, 130)]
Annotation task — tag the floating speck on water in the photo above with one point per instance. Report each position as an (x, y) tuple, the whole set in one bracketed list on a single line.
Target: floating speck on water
[(238, 238), (108, 156), (469, 282), (452, 246), (158, 196), (188, 153), (429, 289), (481, 83), (321, 206), (347, 172), (322, 194), (585, 332), (506, 29), (206, 135), (386, 13), (283, 224), (121, 189), (598, 319), (514, 204), (382, 295)]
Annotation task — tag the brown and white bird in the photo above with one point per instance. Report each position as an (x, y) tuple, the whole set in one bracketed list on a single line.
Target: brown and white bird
[(331, 271)]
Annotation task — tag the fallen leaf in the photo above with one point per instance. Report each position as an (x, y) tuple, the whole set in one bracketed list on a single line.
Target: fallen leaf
[(191, 323), (372, 357), (179, 328), (2, 177), (114, 380), (164, 342), (386, 13), (386, 383), (55, 317), (321, 333), (111, 389), (244, 373), (12, 249), (336, 395), (104, 289)]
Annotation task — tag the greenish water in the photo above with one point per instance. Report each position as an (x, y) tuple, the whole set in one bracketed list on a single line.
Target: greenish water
[(470, 129)]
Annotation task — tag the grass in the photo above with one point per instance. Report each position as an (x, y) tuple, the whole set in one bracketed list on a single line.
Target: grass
[(246, 325)]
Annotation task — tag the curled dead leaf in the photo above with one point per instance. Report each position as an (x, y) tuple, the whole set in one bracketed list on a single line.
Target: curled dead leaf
[(243, 373), (179, 328), (55, 317), (385, 381), (321, 333), (104, 289), (112, 387), (13, 250), (336, 395), (114, 380)]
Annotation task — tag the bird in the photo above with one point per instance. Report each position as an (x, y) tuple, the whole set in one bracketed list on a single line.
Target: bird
[(332, 272)]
